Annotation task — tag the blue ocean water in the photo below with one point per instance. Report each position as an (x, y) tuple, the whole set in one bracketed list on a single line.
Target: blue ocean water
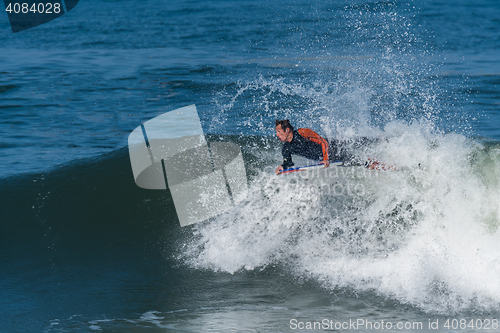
[(82, 248)]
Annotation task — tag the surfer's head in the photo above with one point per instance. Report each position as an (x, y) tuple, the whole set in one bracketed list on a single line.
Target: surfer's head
[(284, 130)]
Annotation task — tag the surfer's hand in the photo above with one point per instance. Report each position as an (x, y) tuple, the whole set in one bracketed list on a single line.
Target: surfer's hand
[(279, 169), (326, 163)]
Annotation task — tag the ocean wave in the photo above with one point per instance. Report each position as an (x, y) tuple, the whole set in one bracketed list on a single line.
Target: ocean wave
[(425, 235)]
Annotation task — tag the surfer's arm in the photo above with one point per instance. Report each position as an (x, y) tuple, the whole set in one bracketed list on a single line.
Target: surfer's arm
[(310, 135), (287, 156)]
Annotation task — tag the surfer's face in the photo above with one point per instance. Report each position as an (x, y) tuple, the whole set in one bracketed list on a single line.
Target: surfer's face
[(281, 134)]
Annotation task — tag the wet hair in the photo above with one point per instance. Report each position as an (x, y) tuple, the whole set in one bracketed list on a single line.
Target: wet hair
[(284, 124)]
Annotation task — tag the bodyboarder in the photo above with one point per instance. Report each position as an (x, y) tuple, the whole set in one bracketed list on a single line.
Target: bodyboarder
[(309, 144)]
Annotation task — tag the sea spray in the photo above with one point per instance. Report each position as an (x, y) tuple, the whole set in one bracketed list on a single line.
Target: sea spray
[(424, 234)]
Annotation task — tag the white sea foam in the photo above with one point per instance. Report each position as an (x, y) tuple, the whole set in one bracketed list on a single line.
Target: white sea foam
[(425, 234)]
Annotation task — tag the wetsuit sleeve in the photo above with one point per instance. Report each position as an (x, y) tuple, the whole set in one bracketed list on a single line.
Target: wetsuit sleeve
[(287, 156), (310, 135)]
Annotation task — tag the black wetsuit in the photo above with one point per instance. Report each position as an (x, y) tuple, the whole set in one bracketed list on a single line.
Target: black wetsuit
[(315, 151)]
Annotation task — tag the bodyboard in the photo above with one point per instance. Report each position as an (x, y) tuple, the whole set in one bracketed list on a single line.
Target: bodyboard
[(309, 167)]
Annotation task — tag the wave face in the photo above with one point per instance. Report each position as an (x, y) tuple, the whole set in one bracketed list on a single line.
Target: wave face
[(424, 236)]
